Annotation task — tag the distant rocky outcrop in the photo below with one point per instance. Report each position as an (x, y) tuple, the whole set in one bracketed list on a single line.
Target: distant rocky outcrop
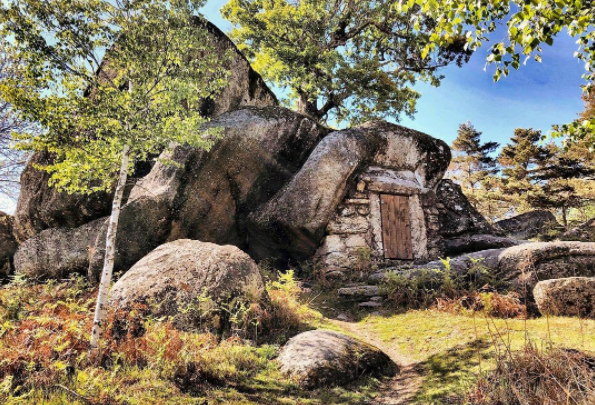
[(518, 268), (529, 225), (462, 228), (456, 214), (322, 358), (8, 245), (585, 232), (171, 279), (41, 207), (573, 296)]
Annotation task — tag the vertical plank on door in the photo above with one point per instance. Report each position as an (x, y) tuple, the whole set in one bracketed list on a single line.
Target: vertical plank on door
[(396, 227)]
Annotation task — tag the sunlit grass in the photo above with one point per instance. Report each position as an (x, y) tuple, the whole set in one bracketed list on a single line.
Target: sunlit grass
[(452, 350)]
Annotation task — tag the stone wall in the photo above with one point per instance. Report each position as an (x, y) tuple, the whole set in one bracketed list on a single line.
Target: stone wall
[(354, 234)]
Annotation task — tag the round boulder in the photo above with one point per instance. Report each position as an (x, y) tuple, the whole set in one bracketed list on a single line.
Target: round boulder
[(320, 358), (192, 282), (573, 296)]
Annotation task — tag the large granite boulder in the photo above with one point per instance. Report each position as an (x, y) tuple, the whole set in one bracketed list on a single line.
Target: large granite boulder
[(292, 224), (204, 195), (260, 151), (573, 296), (8, 245), (585, 232), (322, 358), (529, 225), (144, 224), (524, 265), (173, 277), (41, 206)]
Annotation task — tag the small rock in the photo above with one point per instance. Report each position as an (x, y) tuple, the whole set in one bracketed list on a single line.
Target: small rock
[(321, 358), (343, 317), (376, 299), (363, 291), (370, 304)]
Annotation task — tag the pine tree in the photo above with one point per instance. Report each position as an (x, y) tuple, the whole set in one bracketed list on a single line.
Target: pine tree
[(556, 184), (475, 169), (472, 160), (519, 159)]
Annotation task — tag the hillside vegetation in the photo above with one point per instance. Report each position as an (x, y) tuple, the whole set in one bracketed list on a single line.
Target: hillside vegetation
[(44, 347)]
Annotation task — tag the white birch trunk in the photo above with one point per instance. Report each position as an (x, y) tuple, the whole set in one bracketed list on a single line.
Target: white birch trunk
[(110, 254)]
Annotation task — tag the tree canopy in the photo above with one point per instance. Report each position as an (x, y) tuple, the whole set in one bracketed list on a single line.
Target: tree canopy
[(144, 94), (530, 26), (342, 60)]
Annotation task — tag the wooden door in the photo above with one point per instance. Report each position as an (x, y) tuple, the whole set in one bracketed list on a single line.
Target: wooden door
[(396, 227)]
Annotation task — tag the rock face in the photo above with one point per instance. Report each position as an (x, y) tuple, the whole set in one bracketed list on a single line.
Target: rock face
[(573, 296), (56, 253), (321, 358), (585, 232), (474, 243), (385, 158), (8, 245), (519, 268), (205, 196), (172, 278), (41, 206), (529, 224), (457, 216), (526, 264)]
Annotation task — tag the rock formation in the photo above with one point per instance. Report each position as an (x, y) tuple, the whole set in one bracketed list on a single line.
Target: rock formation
[(529, 225), (322, 358), (573, 296), (8, 245), (518, 268), (277, 185), (41, 206), (332, 206), (205, 195), (585, 232)]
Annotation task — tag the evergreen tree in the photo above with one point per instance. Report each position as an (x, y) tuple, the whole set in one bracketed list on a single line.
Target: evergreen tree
[(472, 159), (556, 184), (474, 169), (519, 159)]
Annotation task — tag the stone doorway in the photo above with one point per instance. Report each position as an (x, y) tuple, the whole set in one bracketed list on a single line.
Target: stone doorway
[(396, 227)]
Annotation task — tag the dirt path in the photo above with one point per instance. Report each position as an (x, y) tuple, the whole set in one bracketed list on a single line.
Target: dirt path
[(402, 388)]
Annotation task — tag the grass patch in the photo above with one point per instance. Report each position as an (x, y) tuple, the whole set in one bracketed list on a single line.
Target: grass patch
[(454, 350)]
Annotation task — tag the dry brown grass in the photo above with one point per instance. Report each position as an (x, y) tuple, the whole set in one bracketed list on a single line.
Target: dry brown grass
[(491, 304), (534, 377)]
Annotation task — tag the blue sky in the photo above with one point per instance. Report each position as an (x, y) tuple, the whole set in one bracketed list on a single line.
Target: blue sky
[(537, 96)]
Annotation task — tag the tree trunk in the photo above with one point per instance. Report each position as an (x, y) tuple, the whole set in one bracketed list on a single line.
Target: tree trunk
[(565, 218), (110, 253), (308, 107)]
